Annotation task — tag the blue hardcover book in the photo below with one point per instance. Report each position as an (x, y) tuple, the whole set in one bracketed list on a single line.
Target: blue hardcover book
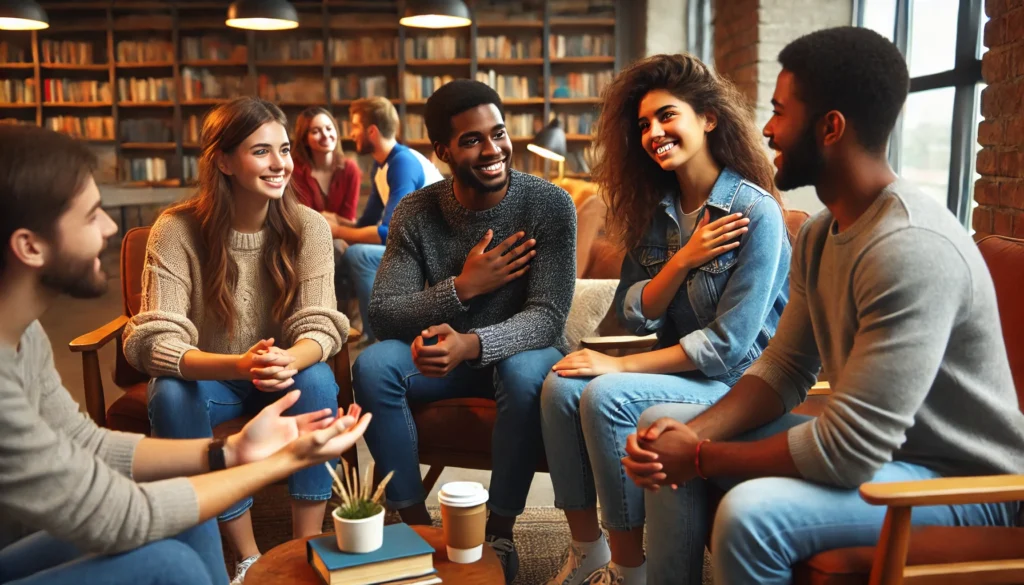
[(405, 554)]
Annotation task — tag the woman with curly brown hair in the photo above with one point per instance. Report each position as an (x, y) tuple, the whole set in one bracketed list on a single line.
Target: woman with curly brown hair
[(691, 198)]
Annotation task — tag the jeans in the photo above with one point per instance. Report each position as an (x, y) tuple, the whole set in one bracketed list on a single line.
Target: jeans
[(586, 422), (764, 526), (361, 262), (184, 409), (386, 381), (194, 557)]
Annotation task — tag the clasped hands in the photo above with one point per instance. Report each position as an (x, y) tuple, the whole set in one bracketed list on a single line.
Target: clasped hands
[(268, 366), (661, 454)]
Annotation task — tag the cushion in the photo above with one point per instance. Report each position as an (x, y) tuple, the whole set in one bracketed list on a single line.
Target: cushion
[(590, 305)]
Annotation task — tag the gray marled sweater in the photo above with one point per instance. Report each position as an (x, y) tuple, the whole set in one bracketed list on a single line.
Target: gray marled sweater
[(431, 235)]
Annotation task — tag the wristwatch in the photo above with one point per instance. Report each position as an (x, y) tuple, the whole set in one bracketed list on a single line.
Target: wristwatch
[(215, 455)]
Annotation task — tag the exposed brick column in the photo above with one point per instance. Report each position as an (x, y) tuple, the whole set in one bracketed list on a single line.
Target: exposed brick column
[(1000, 190), (736, 43)]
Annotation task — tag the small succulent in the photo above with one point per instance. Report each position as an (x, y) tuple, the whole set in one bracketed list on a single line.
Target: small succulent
[(355, 501)]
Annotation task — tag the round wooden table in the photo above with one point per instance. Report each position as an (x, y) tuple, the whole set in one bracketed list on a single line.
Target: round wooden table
[(287, 563)]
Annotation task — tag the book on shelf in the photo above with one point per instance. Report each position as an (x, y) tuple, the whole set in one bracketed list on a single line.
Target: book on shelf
[(419, 87), (404, 556), (62, 91), (582, 8), (189, 169), (88, 127), (201, 84), (288, 88), (352, 86), (145, 90), (147, 130), (11, 53), (364, 49), (191, 127), (17, 91), (414, 127), (522, 125), (580, 85), (511, 86), (578, 123), (67, 52), (437, 47), (212, 48), (503, 47), (154, 50), (289, 49), (585, 45), (501, 10), (144, 169)]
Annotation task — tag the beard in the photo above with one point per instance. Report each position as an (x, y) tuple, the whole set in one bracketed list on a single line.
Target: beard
[(464, 173), (74, 277), (801, 165), (364, 147)]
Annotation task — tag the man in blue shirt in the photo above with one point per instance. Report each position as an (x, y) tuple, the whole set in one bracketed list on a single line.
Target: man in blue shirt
[(397, 171)]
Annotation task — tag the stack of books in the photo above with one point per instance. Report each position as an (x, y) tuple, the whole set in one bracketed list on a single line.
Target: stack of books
[(405, 559)]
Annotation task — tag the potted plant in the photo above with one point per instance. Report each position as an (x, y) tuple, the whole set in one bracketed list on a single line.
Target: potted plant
[(359, 516)]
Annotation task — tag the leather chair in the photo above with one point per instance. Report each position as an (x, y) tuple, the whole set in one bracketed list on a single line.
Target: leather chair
[(129, 412)]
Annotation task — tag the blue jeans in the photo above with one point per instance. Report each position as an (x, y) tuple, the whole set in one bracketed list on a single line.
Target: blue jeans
[(362, 261), (386, 381), (194, 557), (586, 422), (184, 409), (764, 526)]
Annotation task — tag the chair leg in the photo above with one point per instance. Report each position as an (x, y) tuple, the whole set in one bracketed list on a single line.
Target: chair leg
[(432, 476), (891, 551)]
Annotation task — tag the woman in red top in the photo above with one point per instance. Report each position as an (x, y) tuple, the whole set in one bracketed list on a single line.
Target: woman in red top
[(324, 179)]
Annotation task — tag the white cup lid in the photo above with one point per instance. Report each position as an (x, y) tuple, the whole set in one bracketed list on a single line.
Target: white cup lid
[(463, 494)]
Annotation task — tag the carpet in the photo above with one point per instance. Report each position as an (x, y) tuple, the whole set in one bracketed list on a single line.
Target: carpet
[(542, 536)]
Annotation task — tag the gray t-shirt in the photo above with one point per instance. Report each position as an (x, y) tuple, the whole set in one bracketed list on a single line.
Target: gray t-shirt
[(687, 221), (901, 311)]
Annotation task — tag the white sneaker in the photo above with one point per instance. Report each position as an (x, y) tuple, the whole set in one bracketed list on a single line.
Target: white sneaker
[(607, 575), (241, 568), (578, 567)]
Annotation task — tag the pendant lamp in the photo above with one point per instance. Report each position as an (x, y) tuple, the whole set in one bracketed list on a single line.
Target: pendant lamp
[(436, 14), (262, 15)]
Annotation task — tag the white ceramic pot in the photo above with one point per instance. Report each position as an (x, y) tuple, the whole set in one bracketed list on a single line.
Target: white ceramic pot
[(359, 536)]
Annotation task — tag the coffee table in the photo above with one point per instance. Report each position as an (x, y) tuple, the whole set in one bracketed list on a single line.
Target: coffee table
[(286, 563)]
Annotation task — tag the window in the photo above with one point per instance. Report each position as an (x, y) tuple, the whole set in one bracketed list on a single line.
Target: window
[(700, 30), (934, 143)]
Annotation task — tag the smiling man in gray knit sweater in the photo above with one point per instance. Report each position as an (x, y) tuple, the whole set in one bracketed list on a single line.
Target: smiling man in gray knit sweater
[(483, 265), (891, 295)]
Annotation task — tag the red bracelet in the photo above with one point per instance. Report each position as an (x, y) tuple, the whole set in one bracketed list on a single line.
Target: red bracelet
[(696, 459)]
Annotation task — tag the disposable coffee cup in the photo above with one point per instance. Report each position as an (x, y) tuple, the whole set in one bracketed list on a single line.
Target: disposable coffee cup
[(463, 516)]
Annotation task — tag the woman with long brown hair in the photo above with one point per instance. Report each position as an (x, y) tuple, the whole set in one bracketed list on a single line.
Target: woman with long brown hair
[(324, 179), (238, 303), (691, 198)]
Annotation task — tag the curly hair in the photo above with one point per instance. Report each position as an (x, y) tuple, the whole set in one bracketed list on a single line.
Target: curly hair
[(633, 183), (855, 71)]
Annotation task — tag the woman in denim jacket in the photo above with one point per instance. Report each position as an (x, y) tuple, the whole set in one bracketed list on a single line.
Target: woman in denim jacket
[(691, 196)]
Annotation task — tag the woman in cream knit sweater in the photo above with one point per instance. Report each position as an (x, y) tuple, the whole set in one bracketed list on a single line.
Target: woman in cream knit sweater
[(238, 303)]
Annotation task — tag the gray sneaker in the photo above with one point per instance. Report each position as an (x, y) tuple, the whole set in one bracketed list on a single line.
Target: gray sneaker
[(506, 551), (607, 575), (241, 569), (578, 568)]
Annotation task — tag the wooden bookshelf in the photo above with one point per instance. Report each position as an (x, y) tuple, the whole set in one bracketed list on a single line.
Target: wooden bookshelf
[(103, 24)]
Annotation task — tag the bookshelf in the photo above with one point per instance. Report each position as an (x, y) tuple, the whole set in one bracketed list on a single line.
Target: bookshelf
[(135, 78)]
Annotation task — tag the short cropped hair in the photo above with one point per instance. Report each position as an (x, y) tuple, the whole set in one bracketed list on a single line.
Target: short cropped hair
[(855, 71), (453, 98), (377, 111)]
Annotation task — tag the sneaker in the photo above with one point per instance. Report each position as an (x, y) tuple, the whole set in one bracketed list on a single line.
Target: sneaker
[(506, 551), (607, 575), (241, 568), (578, 567)]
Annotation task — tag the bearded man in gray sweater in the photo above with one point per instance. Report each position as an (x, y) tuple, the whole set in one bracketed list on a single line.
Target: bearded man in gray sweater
[(890, 294), (483, 265)]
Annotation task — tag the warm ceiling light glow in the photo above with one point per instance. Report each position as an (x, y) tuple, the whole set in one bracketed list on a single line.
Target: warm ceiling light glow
[(261, 23), (22, 24), (436, 14), (434, 21), (22, 15), (262, 15), (544, 152)]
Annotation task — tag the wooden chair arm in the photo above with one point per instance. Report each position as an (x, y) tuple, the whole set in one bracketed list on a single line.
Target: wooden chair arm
[(341, 364), (945, 491), (98, 337), (619, 342), (821, 388)]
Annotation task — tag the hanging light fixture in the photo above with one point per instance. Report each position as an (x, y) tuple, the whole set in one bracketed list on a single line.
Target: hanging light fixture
[(550, 144), (436, 14), (262, 15), (22, 15)]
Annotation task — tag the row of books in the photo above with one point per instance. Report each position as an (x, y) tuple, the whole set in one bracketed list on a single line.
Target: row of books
[(352, 86), (436, 47), (191, 127), (212, 47), (580, 85), (364, 49), (561, 46), (68, 52), (296, 89), (11, 53), (495, 10), (144, 51), (17, 91), (200, 83), (290, 49), (189, 169), (59, 91), (512, 86), (419, 87), (582, 8), (503, 47), (90, 127), (144, 169), (147, 130), (578, 123), (145, 90)]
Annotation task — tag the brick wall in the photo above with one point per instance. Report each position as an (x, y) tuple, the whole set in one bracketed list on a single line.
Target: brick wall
[(736, 43), (1000, 190)]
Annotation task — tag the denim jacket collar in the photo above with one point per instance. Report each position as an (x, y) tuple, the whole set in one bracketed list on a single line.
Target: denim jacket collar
[(722, 193)]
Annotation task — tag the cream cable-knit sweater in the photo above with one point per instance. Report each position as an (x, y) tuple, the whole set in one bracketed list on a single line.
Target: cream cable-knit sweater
[(173, 318)]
